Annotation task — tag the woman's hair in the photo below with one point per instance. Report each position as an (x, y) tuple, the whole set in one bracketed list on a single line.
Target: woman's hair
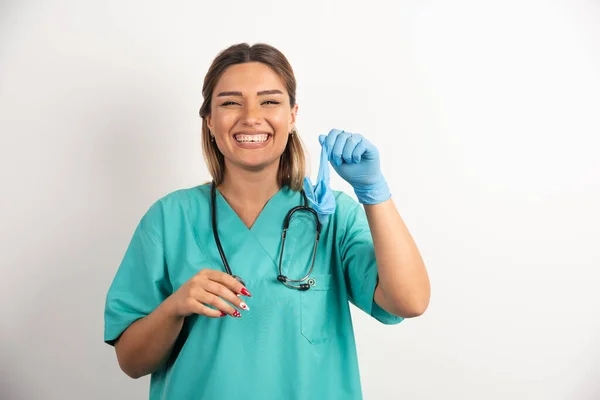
[(292, 162)]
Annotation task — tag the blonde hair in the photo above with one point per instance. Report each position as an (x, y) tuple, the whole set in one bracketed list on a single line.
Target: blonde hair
[(292, 163)]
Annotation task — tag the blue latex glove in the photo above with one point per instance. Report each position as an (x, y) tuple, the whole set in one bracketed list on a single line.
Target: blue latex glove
[(356, 160), (320, 196)]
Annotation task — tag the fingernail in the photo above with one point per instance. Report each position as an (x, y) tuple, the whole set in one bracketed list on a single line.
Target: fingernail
[(223, 314), (237, 314), (245, 292), (244, 306)]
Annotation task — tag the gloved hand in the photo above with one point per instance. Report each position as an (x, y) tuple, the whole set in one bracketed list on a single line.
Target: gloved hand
[(320, 196), (356, 160)]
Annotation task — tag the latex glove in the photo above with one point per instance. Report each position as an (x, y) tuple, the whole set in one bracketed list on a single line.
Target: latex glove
[(356, 160), (320, 196)]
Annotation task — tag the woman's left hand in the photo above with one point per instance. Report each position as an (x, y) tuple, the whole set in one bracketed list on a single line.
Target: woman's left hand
[(356, 160)]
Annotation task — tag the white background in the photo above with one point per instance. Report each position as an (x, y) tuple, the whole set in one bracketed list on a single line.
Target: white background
[(487, 116)]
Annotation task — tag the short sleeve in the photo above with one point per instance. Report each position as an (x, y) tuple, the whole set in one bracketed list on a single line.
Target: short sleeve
[(358, 261), (141, 282)]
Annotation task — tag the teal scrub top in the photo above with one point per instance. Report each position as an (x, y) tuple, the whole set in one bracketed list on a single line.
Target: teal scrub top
[(291, 344)]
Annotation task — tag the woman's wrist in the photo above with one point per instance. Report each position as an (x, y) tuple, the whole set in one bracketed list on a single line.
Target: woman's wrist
[(168, 309)]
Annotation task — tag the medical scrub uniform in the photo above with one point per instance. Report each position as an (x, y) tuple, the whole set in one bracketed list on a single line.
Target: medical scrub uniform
[(291, 344)]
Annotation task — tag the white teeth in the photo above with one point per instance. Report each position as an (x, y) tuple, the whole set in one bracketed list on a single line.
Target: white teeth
[(251, 138)]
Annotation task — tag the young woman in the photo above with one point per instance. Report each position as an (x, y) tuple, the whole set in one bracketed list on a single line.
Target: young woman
[(215, 301)]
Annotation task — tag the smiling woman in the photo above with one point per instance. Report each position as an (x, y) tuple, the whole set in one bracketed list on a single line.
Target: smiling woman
[(245, 119), (174, 309), (251, 91)]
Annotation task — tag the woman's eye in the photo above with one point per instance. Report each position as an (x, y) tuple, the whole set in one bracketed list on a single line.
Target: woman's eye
[(266, 102)]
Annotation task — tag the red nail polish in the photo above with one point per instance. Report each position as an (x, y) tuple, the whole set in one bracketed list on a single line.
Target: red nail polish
[(245, 292), (223, 314), (237, 314)]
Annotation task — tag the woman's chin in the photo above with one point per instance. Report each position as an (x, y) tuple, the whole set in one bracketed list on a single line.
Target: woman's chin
[(257, 164)]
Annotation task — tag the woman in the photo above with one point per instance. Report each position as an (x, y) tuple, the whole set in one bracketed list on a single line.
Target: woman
[(175, 311)]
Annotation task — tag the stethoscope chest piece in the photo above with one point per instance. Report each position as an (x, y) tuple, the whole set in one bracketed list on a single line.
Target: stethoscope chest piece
[(297, 283)]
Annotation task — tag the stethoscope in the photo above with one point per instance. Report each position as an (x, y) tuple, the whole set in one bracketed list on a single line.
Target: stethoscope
[(301, 284)]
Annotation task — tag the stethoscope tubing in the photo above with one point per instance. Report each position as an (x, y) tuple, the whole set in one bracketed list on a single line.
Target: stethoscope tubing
[(301, 284)]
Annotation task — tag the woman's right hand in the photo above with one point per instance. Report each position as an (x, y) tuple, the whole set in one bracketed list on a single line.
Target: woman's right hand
[(209, 287)]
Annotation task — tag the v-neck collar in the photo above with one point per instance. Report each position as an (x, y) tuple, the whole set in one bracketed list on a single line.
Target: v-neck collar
[(267, 227), (227, 213)]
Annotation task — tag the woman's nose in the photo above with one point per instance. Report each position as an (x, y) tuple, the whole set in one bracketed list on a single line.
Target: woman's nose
[(251, 116)]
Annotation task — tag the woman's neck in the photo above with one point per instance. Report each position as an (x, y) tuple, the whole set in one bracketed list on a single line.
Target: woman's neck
[(250, 189)]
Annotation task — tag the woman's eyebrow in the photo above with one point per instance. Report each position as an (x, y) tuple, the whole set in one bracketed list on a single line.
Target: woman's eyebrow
[(261, 93), (267, 92)]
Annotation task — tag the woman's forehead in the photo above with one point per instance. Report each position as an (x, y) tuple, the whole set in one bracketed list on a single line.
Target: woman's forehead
[(249, 77)]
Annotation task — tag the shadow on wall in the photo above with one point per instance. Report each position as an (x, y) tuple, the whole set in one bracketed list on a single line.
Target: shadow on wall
[(589, 387), (10, 387)]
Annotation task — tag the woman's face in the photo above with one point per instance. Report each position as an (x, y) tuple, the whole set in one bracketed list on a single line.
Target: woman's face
[(251, 116)]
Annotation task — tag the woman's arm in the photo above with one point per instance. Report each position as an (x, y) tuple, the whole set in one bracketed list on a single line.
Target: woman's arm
[(147, 343), (403, 287)]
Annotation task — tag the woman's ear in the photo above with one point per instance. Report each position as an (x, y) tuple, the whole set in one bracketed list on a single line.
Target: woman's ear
[(293, 116), (209, 122)]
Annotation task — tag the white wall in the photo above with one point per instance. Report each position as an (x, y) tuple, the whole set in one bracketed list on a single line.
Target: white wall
[(487, 115)]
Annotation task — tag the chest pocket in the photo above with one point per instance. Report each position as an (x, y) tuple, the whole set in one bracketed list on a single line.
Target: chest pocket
[(317, 304)]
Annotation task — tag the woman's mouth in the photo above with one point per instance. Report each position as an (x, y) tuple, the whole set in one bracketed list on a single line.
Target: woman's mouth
[(251, 138), (251, 141)]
